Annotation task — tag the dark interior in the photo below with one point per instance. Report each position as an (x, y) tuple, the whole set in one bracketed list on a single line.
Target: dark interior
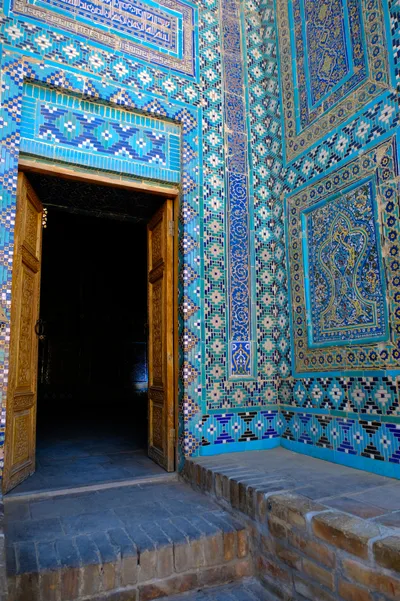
[(92, 361), (92, 370)]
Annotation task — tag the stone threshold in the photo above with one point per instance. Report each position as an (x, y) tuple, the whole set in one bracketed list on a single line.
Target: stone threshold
[(304, 548), (60, 492)]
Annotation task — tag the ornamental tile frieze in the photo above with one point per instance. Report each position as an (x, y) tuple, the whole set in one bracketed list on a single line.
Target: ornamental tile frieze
[(162, 33), (345, 293), (334, 61), (345, 290)]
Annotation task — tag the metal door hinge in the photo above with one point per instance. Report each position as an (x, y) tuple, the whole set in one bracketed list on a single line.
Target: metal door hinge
[(171, 226)]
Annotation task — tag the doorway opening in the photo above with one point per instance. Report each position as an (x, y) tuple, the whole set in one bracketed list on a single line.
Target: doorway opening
[(97, 336)]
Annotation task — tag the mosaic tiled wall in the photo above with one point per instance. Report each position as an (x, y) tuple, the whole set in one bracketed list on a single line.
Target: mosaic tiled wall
[(122, 89), (65, 128), (338, 72)]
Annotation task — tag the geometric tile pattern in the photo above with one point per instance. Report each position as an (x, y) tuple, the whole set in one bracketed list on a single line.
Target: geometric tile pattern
[(360, 407), (76, 68), (361, 131), (363, 395), (268, 228), (148, 31), (238, 427), (89, 58), (361, 438), (54, 125)]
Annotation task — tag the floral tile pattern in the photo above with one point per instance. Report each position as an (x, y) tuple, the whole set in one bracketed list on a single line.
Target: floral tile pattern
[(341, 271), (346, 289), (340, 48)]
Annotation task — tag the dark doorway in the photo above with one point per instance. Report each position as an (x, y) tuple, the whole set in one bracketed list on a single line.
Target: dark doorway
[(92, 381), (92, 376)]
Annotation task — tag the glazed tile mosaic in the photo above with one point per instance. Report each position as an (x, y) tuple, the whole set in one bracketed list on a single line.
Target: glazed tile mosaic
[(342, 401), (334, 61), (272, 119), (241, 351), (53, 124), (339, 271), (159, 32), (345, 296)]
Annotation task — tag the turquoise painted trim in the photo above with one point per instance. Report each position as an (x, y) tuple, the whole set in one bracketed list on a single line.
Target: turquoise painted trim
[(382, 468), (345, 373), (304, 227), (388, 419), (237, 447), (313, 410)]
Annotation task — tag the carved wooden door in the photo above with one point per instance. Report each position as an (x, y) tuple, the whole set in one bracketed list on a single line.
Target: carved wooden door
[(161, 352), (19, 459)]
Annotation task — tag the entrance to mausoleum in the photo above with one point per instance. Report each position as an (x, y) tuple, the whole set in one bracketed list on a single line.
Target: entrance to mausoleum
[(91, 389)]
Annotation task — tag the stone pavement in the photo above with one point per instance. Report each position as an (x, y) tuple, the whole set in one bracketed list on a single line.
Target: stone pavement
[(133, 542), (72, 464), (307, 529), (247, 590)]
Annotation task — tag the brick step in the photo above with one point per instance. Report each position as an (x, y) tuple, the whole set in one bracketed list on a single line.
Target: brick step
[(249, 589), (145, 543), (304, 545)]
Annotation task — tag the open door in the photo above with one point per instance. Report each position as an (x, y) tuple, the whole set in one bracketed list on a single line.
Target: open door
[(19, 459), (161, 340)]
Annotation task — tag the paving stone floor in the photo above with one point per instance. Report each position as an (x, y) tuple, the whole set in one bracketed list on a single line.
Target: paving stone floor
[(70, 529), (247, 590), (356, 492), (69, 457)]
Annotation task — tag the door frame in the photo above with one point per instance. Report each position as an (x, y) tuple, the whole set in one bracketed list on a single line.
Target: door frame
[(80, 174)]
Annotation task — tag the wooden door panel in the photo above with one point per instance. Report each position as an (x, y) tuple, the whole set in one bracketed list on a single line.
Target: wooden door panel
[(157, 347), (19, 459), (160, 317)]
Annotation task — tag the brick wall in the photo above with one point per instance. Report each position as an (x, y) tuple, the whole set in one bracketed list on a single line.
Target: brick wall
[(303, 549)]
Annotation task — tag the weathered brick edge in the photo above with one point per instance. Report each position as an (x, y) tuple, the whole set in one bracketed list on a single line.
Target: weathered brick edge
[(302, 549), (3, 577), (161, 567)]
